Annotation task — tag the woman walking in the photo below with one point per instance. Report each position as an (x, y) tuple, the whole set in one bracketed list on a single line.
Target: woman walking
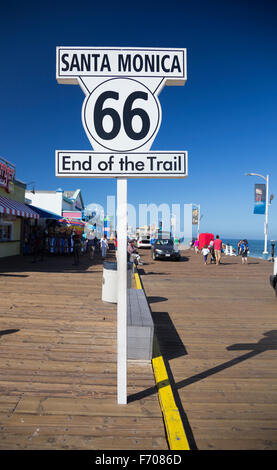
[(244, 251)]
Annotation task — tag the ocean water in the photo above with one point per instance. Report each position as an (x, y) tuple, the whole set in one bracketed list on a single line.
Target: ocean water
[(256, 247)]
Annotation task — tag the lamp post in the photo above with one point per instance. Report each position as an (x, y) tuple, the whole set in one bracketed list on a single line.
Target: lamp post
[(33, 183), (266, 178)]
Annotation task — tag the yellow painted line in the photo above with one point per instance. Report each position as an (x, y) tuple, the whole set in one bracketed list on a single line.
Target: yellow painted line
[(138, 282), (176, 435)]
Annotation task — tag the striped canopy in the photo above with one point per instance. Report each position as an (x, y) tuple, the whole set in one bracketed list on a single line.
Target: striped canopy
[(10, 207)]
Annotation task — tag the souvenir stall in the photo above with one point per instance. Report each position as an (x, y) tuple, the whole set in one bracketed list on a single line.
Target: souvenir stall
[(60, 233)]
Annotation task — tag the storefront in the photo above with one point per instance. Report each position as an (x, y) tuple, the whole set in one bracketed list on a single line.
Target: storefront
[(64, 219), (14, 214), (60, 235), (67, 204)]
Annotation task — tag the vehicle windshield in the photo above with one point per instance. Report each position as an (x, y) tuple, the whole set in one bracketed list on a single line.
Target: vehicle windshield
[(165, 242)]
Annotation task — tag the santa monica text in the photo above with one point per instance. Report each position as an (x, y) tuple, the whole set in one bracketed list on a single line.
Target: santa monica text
[(91, 62)]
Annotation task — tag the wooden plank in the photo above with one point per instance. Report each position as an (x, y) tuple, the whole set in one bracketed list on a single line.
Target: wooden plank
[(58, 365), (216, 330), (87, 407), (19, 421), (239, 443), (52, 442), (207, 317)]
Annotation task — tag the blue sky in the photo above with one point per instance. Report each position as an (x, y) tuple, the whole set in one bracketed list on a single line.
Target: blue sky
[(225, 115)]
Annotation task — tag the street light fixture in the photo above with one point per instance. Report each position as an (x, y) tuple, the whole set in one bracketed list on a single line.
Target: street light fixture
[(33, 183), (266, 178)]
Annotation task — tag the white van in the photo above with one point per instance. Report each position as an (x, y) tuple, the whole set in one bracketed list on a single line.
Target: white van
[(144, 242)]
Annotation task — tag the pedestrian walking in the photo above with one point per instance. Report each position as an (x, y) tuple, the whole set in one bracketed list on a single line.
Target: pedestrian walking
[(35, 243), (192, 243), (76, 248), (244, 251), (104, 246), (205, 252), (239, 247), (96, 245), (217, 249), (211, 248)]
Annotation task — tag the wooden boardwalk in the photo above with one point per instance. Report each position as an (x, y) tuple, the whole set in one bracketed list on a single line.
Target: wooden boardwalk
[(58, 364), (217, 331)]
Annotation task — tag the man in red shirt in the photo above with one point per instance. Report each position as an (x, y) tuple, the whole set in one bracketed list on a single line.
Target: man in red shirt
[(217, 249)]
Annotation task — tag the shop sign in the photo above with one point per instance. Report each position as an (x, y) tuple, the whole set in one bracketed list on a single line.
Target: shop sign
[(7, 172)]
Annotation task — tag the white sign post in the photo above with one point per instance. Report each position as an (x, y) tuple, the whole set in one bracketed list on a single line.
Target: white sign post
[(121, 115), (122, 290)]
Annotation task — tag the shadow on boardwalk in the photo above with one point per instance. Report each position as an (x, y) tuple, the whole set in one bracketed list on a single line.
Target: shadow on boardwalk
[(265, 344), (12, 266), (171, 347)]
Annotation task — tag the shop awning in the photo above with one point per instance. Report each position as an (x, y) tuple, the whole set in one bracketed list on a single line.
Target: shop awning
[(8, 206), (44, 214)]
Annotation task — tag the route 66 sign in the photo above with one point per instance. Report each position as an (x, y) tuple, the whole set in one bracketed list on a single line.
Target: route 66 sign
[(121, 114), (121, 111)]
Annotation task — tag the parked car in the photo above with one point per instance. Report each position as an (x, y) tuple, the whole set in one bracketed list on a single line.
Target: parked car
[(144, 242), (165, 249)]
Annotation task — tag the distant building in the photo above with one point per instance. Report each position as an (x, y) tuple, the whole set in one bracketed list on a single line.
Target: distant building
[(68, 204)]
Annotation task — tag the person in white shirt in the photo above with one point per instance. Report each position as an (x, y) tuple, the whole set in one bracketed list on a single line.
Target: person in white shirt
[(104, 245), (205, 252), (211, 248)]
